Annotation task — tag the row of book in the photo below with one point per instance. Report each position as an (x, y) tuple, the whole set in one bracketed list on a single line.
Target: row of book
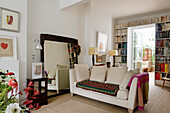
[(160, 43), (163, 67), (122, 51), (120, 26), (163, 43), (121, 38), (121, 45), (121, 32), (164, 34), (159, 76), (163, 51), (124, 59), (163, 58), (163, 27)]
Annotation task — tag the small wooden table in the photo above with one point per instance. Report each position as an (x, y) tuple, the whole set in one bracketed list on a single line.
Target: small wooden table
[(42, 97)]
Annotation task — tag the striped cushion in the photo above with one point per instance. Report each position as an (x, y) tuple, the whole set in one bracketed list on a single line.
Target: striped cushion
[(105, 88)]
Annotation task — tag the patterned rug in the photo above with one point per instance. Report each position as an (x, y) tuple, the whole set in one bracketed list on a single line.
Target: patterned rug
[(72, 106)]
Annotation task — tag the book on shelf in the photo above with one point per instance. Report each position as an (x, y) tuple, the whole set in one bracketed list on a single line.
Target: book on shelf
[(162, 67), (116, 46), (157, 76), (166, 68)]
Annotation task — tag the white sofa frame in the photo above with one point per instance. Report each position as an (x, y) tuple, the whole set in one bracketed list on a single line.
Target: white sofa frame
[(130, 103)]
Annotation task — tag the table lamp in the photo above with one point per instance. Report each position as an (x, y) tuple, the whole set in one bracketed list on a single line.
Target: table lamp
[(93, 51), (113, 53)]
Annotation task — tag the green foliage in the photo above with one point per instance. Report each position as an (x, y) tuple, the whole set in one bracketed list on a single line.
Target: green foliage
[(4, 100)]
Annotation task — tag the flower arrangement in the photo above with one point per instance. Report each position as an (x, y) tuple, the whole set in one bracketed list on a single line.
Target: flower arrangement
[(9, 103), (75, 49)]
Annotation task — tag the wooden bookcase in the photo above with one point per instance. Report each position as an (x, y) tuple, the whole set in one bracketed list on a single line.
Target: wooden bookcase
[(120, 40), (162, 52)]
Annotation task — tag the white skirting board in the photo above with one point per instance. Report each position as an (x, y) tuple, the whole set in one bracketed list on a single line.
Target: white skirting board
[(12, 66)]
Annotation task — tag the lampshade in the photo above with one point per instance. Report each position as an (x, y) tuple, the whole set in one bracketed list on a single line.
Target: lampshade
[(93, 50), (113, 52), (37, 45)]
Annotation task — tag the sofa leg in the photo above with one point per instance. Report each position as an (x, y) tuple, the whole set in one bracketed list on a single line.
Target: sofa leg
[(130, 111), (72, 94)]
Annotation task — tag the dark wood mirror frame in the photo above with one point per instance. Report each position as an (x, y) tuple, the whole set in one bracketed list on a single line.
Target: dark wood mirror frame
[(49, 37), (56, 38)]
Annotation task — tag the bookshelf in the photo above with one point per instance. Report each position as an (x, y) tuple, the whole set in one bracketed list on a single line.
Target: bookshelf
[(120, 40), (162, 52)]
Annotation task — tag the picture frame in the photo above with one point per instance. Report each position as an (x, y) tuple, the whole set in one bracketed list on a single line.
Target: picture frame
[(99, 58), (9, 20), (37, 70), (102, 42), (8, 47)]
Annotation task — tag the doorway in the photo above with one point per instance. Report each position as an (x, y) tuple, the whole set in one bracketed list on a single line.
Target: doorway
[(141, 48)]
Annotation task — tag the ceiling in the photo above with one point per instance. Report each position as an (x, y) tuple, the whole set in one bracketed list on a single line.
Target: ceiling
[(124, 8)]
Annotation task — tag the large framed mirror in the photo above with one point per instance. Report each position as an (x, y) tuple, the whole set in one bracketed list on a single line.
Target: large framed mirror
[(58, 58)]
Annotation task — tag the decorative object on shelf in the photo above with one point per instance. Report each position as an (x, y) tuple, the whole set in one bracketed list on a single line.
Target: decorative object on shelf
[(93, 51), (102, 42), (8, 48), (113, 53), (37, 45), (9, 20), (99, 59), (76, 49), (37, 70), (10, 103)]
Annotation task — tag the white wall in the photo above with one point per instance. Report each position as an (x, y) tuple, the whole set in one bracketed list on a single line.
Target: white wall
[(20, 6), (99, 21), (44, 16), (84, 39), (68, 3)]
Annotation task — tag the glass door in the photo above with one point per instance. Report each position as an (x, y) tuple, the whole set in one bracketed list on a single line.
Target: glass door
[(137, 49)]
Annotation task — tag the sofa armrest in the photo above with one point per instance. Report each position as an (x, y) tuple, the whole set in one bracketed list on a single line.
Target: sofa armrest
[(72, 75), (132, 99)]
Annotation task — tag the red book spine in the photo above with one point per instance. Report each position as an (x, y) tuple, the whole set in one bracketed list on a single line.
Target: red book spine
[(163, 67)]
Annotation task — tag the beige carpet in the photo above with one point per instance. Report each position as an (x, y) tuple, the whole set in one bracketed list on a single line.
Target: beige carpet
[(72, 106)]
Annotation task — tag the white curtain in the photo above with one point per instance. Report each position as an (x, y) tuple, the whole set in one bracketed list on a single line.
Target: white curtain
[(130, 49)]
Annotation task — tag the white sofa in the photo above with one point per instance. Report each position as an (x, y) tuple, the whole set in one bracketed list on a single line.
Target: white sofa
[(130, 102)]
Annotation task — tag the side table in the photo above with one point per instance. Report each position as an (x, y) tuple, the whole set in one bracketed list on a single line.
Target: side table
[(42, 97)]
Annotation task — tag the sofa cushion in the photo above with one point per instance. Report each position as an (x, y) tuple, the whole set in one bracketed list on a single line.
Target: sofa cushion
[(127, 78), (122, 94), (82, 72), (98, 73), (115, 75), (109, 89)]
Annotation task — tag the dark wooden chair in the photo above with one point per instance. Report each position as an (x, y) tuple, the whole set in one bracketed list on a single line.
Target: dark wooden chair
[(165, 79)]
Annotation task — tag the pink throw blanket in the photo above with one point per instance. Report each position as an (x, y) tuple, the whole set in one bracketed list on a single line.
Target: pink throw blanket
[(143, 89)]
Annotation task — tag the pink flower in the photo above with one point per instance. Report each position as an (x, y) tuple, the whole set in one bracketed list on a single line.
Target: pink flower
[(13, 83)]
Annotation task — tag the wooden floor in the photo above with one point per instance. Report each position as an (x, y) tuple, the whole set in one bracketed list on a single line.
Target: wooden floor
[(159, 101)]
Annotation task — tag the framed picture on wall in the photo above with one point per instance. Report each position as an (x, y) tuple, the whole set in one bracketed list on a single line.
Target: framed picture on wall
[(102, 42), (8, 48), (99, 59), (37, 70), (9, 20)]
